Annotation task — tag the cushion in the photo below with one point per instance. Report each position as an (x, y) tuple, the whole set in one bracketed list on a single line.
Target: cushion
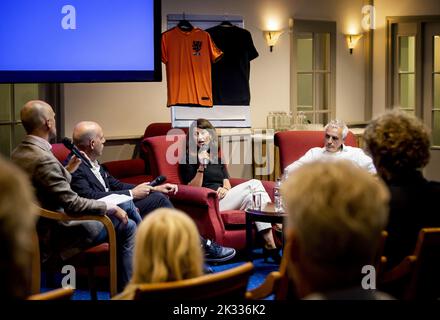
[(233, 218)]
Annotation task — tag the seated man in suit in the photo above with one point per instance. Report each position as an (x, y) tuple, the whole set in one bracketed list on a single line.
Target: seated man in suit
[(51, 181), (336, 214), (95, 183), (334, 149)]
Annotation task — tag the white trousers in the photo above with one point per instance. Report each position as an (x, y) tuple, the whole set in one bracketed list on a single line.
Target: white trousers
[(240, 198)]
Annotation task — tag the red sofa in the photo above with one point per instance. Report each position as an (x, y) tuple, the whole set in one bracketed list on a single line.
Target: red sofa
[(138, 170), (226, 227), (154, 130), (294, 144), (129, 171)]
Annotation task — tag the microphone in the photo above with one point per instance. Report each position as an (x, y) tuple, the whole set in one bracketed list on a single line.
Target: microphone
[(158, 180), (204, 161), (69, 145)]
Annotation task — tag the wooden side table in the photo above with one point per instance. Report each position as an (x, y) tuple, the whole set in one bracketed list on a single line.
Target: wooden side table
[(266, 214)]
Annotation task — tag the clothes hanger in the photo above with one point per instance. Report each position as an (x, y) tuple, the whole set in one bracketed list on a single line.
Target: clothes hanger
[(226, 22), (184, 24)]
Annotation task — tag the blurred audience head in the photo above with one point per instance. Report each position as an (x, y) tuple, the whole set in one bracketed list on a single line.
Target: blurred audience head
[(17, 226), (167, 248), (336, 214), (398, 143)]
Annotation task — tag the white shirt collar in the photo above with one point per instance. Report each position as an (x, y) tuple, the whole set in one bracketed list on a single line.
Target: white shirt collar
[(43, 141)]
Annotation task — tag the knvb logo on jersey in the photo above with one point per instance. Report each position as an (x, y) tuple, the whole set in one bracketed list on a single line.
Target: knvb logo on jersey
[(197, 46)]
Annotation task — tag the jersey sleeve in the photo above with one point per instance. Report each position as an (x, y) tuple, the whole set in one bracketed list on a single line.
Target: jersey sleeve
[(164, 49), (214, 52)]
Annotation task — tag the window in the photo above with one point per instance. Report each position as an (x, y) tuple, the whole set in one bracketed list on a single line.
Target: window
[(413, 64), (406, 73), (435, 92), (313, 70), (12, 98)]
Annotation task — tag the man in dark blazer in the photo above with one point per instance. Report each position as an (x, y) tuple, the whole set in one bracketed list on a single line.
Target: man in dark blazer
[(51, 181), (94, 182)]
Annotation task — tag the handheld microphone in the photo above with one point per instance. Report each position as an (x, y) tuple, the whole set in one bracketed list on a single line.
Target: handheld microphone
[(158, 180), (69, 145), (204, 161)]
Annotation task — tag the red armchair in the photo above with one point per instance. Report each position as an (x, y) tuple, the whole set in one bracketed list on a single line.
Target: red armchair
[(128, 171), (294, 144), (154, 130), (136, 171), (226, 227), (60, 151)]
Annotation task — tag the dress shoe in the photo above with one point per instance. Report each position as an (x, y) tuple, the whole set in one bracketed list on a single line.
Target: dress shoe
[(274, 254)]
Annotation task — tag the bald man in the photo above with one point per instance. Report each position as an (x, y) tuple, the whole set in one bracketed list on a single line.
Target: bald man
[(51, 181), (96, 182)]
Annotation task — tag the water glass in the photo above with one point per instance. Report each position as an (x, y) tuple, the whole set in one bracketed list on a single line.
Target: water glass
[(256, 201)]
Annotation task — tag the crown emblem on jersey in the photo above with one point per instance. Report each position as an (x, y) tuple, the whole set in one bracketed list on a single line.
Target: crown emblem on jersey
[(197, 46)]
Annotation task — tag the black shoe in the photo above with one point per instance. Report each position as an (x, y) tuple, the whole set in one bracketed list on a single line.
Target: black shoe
[(216, 253), (274, 254)]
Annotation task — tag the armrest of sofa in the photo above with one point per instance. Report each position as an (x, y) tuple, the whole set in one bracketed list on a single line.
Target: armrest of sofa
[(195, 195), (201, 204)]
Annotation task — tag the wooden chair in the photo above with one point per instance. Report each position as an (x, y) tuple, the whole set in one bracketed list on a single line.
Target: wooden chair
[(230, 284), (57, 294), (276, 283), (36, 266), (108, 248), (418, 273), (380, 261)]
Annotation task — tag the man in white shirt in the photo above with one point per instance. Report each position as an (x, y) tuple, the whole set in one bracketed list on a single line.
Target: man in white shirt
[(334, 149)]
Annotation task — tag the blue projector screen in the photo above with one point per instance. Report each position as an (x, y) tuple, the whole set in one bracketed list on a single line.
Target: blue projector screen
[(79, 40)]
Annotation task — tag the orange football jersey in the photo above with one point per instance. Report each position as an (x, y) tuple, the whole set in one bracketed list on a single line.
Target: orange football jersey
[(188, 56)]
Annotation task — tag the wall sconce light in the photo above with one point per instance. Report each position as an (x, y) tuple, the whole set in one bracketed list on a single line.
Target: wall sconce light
[(272, 38), (352, 40)]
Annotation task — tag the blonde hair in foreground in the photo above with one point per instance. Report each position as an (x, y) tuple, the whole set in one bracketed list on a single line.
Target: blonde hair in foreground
[(336, 212), (167, 248)]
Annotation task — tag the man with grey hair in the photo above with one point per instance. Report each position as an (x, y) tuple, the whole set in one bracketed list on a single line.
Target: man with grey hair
[(336, 213), (334, 149), (51, 181)]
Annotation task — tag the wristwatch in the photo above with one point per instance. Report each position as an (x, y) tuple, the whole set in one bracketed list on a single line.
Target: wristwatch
[(198, 170)]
